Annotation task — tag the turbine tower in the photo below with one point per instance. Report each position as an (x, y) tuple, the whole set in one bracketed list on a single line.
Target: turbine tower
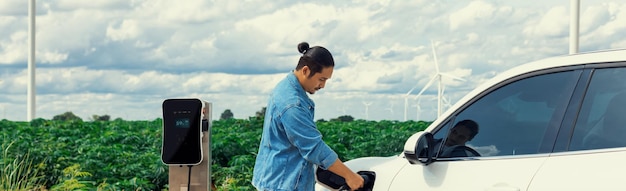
[(31, 62), (342, 110), (418, 110), (445, 101), (367, 105), (438, 76), (390, 108), (406, 101), (4, 112)]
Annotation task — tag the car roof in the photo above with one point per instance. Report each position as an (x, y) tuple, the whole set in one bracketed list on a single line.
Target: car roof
[(604, 56)]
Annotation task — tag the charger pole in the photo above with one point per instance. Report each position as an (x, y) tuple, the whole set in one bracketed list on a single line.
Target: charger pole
[(200, 176)]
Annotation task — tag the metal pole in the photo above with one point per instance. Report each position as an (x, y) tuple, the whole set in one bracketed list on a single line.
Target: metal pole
[(406, 105), (439, 92), (31, 61), (574, 22)]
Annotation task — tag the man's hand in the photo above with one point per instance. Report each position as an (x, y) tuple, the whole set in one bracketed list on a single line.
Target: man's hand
[(355, 181)]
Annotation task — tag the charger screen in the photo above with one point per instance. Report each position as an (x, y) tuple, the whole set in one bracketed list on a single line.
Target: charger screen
[(182, 123)]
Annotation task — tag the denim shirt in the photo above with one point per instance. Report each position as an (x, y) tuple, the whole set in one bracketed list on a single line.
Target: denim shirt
[(291, 145)]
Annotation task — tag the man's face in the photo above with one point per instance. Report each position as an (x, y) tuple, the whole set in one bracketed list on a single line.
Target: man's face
[(317, 81), (458, 136)]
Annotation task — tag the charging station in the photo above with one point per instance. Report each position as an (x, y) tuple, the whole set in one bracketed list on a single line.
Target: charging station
[(186, 143)]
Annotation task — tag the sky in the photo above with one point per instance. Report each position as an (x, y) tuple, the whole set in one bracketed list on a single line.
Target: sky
[(123, 58)]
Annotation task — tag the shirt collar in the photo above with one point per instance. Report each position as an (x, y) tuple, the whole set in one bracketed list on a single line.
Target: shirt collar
[(293, 80)]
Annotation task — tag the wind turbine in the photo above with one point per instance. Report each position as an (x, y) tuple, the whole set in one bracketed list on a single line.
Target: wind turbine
[(390, 108), (342, 109), (438, 76), (367, 105), (418, 110), (445, 100), (4, 112), (406, 100)]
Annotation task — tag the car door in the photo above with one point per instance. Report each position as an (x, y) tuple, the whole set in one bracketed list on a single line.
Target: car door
[(517, 122), (593, 147)]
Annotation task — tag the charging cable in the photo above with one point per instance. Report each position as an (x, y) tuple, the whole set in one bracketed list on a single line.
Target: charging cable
[(189, 179)]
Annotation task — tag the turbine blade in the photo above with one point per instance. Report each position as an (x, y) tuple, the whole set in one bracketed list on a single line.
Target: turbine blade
[(452, 76), (432, 45), (411, 90), (427, 86)]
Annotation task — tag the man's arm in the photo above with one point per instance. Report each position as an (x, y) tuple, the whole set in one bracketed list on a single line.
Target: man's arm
[(302, 132)]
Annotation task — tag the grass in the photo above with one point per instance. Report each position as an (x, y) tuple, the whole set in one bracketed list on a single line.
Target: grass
[(17, 172)]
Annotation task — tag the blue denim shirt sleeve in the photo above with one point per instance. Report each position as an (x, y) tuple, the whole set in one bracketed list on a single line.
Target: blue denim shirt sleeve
[(302, 132)]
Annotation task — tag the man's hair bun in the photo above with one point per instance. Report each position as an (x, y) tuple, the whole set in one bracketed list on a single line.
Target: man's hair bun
[(303, 47)]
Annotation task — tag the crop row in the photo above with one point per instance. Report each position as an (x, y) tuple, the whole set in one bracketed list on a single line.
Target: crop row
[(125, 155)]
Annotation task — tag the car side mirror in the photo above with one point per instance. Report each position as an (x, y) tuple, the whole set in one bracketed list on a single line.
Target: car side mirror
[(419, 148)]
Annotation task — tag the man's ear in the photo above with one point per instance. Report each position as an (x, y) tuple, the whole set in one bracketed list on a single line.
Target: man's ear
[(305, 71)]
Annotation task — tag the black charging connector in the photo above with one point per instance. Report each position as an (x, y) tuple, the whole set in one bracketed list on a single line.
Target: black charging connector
[(334, 181), (205, 125)]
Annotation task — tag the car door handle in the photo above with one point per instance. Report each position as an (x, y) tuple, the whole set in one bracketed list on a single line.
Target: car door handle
[(502, 187)]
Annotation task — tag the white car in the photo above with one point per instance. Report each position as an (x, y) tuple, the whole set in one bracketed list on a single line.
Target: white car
[(553, 124)]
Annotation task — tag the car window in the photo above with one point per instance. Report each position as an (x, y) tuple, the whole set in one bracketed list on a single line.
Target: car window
[(511, 120), (601, 122)]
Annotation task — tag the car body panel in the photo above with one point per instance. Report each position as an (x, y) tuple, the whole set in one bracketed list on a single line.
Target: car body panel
[(600, 169), (568, 170), (484, 174)]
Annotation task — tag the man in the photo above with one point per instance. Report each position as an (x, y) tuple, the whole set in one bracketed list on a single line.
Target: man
[(291, 145), (454, 145)]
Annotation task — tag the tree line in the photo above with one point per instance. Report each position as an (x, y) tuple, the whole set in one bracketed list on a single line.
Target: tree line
[(227, 114)]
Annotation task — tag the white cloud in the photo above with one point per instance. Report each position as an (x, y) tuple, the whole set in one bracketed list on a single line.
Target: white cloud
[(608, 22), (616, 24), (13, 7), (12, 50), (125, 31), (93, 4), (553, 23), (125, 57), (71, 31), (6, 21), (51, 57), (592, 18), (198, 11), (474, 12)]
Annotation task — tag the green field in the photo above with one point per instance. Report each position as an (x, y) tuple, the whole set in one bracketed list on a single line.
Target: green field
[(125, 155)]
